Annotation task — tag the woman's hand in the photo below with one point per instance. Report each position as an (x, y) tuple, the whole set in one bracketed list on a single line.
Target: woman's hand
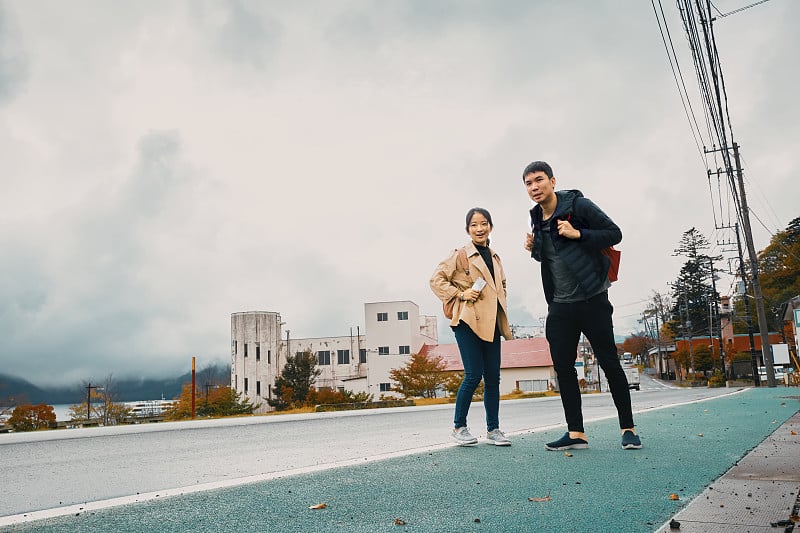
[(470, 295)]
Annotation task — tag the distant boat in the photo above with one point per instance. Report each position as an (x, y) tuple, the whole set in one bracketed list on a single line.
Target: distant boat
[(148, 408)]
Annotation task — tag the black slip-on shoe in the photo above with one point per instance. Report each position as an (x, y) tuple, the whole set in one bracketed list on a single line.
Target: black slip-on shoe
[(566, 443)]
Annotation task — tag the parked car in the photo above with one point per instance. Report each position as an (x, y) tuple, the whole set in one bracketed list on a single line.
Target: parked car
[(780, 372)]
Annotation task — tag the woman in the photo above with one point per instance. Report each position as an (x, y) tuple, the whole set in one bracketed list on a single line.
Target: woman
[(479, 318)]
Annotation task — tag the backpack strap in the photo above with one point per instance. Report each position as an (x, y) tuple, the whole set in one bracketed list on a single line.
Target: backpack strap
[(462, 260)]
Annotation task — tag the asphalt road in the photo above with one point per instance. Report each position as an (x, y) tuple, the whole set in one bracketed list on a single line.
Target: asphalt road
[(56, 469)]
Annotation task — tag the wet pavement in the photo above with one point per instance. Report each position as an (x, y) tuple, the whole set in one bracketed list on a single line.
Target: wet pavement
[(761, 493), (730, 461)]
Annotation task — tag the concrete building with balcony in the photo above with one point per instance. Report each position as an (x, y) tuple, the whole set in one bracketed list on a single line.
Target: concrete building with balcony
[(358, 362)]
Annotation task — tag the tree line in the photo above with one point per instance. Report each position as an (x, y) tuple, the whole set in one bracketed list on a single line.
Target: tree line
[(691, 308)]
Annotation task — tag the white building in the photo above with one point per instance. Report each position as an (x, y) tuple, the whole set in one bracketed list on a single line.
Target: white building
[(257, 356), (356, 362), (525, 364)]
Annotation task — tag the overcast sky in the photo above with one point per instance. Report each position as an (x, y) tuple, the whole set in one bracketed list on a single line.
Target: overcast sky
[(168, 163)]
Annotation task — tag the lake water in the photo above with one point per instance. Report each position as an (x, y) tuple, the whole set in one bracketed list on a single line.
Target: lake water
[(62, 411)]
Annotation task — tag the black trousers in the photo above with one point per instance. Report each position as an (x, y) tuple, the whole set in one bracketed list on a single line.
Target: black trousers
[(565, 323)]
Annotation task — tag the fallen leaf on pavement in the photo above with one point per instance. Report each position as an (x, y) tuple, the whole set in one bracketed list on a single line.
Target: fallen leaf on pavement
[(399, 522), (674, 496), (568, 454), (318, 506), (699, 434), (794, 432), (545, 499)]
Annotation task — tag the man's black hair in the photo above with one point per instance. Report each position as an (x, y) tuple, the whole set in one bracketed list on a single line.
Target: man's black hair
[(537, 166)]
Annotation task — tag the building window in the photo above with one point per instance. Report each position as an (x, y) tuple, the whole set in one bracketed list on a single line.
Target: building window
[(405, 350), (258, 388), (383, 317), (402, 315), (383, 350), (362, 355), (258, 353), (386, 387), (343, 357), (245, 382), (245, 349), (269, 356), (324, 357), (235, 347)]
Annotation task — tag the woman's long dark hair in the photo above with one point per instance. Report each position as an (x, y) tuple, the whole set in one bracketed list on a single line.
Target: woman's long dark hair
[(483, 212)]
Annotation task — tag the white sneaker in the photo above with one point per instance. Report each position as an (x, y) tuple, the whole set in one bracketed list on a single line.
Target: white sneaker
[(463, 437), (498, 438)]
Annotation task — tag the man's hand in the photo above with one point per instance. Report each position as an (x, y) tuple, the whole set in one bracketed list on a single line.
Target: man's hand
[(529, 241), (565, 229)]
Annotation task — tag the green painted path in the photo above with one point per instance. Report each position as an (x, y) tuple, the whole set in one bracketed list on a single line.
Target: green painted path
[(486, 488)]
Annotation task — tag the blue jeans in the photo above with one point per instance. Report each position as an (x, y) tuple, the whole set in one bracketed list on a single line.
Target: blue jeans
[(565, 322), (481, 360)]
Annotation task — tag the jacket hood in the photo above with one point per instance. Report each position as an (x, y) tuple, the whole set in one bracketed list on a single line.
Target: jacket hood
[(565, 200)]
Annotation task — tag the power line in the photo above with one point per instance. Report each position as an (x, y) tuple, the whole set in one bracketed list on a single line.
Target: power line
[(739, 10), (677, 73), (762, 197), (698, 25)]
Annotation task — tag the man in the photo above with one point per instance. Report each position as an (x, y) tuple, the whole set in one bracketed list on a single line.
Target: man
[(568, 234)]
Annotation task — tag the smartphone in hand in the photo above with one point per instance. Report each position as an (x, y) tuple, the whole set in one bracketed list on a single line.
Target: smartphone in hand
[(479, 284)]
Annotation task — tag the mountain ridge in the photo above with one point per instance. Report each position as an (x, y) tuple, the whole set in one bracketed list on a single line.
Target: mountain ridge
[(16, 390)]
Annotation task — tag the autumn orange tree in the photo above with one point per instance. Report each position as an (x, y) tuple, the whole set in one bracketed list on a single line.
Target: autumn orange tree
[(102, 405), (453, 383), (704, 359), (220, 401), (327, 396), (32, 417), (638, 344), (779, 272), (420, 376)]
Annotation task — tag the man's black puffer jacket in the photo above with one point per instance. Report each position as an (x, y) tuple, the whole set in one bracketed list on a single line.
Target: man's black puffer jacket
[(582, 256)]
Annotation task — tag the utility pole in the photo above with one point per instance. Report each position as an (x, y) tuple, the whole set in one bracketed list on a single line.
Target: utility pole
[(759, 297), (194, 387), (89, 388), (715, 300), (748, 318), (658, 345), (712, 88), (687, 329)]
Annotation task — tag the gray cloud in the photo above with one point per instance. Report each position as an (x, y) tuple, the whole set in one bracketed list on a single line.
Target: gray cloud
[(243, 32), (307, 158), (13, 61)]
